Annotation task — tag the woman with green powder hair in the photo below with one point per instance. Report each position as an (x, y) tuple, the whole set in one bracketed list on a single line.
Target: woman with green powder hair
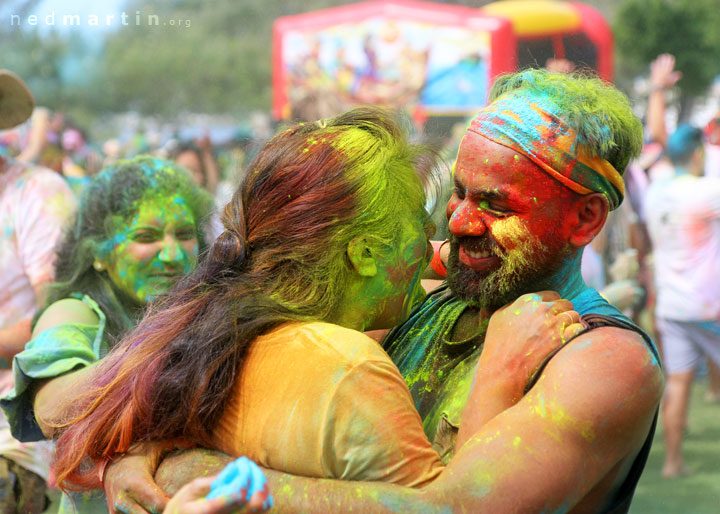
[(260, 350), (138, 230)]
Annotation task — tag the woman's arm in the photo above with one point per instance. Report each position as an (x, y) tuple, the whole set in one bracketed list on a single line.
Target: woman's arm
[(48, 396)]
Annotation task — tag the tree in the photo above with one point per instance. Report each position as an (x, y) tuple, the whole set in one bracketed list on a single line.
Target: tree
[(685, 28), (220, 63)]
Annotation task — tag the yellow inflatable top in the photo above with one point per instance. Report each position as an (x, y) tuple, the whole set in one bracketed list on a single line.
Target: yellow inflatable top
[(536, 17)]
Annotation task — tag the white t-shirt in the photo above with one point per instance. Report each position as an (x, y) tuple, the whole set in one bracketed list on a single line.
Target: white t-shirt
[(683, 217), (712, 160), (35, 204)]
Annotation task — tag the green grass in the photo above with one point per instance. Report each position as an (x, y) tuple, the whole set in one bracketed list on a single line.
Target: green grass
[(698, 493)]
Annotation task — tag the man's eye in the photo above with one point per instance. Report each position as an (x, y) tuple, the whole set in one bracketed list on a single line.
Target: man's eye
[(496, 210)]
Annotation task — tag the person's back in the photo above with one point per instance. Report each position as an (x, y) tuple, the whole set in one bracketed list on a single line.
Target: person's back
[(683, 214), (320, 400)]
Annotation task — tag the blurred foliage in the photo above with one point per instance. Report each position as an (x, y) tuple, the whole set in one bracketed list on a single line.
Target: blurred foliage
[(688, 29), (221, 63)]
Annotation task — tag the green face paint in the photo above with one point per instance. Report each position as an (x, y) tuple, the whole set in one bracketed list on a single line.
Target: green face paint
[(151, 252), (405, 262)]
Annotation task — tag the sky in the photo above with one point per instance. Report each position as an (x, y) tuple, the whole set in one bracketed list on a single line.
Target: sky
[(83, 8)]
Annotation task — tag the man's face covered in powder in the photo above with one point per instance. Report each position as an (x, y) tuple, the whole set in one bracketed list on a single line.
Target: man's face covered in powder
[(154, 249), (506, 218)]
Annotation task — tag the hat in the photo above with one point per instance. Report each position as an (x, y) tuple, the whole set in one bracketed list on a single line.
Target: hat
[(16, 101)]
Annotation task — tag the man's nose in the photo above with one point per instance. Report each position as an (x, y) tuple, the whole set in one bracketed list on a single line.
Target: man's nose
[(467, 220)]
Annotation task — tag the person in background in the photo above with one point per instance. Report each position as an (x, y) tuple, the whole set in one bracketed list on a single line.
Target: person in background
[(712, 147), (138, 230), (198, 158), (35, 204), (683, 216)]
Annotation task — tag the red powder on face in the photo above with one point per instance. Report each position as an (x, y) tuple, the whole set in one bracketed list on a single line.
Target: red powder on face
[(494, 182)]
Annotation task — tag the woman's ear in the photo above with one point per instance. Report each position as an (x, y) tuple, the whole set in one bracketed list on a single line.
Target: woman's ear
[(362, 256), (592, 211)]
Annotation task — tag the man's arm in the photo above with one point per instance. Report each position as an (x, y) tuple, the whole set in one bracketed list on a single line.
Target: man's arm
[(590, 411), (588, 414)]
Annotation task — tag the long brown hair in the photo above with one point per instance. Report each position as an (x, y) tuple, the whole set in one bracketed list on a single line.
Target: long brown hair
[(282, 257)]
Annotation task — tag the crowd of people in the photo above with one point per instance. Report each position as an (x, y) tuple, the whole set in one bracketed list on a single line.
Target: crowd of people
[(309, 347)]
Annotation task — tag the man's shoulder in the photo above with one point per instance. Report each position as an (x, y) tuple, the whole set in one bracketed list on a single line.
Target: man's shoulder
[(31, 183), (615, 371), (621, 358), (590, 301)]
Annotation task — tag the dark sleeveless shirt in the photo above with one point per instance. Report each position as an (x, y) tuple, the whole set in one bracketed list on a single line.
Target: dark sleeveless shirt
[(439, 371)]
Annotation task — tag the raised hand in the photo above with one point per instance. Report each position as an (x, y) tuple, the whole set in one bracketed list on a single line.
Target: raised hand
[(662, 72)]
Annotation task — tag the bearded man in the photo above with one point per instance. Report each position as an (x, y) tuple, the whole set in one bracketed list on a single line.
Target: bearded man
[(536, 174)]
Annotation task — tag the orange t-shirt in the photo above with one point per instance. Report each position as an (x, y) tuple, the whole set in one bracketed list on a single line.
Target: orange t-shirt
[(320, 400)]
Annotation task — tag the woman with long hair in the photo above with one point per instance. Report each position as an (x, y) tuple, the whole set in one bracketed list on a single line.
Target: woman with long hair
[(138, 230), (260, 350)]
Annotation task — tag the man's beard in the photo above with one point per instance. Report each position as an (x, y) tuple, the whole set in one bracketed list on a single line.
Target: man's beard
[(526, 268)]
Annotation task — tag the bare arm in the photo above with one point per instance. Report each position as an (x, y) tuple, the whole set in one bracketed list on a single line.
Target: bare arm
[(12, 341), (538, 323), (38, 135), (589, 412), (49, 398), (662, 78), (14, 338)]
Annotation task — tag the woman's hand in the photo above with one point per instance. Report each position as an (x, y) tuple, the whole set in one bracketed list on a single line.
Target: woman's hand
[(241, 484), (519, 338)]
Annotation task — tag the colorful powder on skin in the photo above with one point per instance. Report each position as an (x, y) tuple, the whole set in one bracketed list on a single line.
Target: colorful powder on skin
[(151, 252), (521, 249), (561, 421)]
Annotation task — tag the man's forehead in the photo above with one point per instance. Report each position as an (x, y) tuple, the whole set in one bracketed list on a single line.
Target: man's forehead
[(478, 154)]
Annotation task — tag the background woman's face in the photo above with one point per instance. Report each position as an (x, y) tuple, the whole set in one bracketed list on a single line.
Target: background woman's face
[(154, 250)]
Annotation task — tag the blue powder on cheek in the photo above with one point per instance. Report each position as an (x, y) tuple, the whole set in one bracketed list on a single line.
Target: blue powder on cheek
[(108, 245)]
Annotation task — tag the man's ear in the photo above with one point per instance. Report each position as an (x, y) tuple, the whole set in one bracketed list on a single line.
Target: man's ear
[(362, 256), (592, 211)]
